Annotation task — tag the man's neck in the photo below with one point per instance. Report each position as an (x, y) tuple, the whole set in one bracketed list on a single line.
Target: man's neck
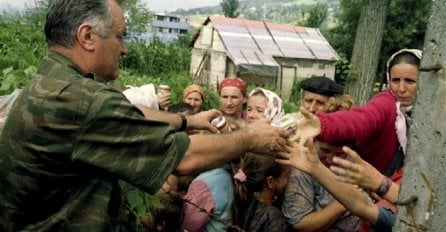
[(73, 54)]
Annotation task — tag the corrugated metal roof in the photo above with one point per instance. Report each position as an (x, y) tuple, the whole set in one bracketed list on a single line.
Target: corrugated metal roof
[(257, 42)]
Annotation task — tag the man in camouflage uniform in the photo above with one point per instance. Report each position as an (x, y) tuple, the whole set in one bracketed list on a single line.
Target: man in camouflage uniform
[(71, 136)]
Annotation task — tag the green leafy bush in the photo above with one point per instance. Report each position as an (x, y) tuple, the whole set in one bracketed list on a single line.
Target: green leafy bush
[(11, 79)]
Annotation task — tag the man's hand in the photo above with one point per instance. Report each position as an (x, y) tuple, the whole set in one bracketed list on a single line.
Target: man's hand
[(263, 138), (201, 121)]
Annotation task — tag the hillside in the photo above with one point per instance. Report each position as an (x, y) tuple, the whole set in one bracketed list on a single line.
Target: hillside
[(277, 11)]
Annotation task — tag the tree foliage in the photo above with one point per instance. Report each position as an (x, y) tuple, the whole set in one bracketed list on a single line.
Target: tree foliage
[(22, 46), (366, 50), (157, 57), (137, 15), (316, 16), (405, 28), (230, 8)]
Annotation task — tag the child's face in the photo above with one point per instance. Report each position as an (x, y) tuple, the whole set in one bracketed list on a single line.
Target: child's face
[(327, 152), (282, 181), (171, 184), (256, 107)]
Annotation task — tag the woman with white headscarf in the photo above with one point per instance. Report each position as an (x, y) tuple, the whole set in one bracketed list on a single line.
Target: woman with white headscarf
[(379, 132), (378, 128)]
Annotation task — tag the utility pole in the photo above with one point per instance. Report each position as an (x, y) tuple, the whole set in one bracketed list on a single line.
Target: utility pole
[(264, 10), (421, 197)]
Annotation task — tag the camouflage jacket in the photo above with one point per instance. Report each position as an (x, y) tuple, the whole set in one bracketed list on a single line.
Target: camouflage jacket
[(67, 141)]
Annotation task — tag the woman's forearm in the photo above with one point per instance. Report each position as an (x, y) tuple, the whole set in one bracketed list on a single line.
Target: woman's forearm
[(347, 194)]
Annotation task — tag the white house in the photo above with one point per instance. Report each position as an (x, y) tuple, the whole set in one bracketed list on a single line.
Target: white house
[(259, 52)]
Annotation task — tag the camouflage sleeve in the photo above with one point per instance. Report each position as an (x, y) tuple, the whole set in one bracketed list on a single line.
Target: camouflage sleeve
[(299, 197), (116, 138)]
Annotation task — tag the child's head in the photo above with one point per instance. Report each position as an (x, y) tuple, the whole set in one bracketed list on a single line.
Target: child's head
[(181, 108), (328, 151), (262, 171), (169, 217), (257, 174), (183, 184), (339, 102), (171, 184)]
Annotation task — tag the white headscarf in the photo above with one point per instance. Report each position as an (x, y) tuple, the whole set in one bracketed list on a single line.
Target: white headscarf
[(400, 122), (416, 52)]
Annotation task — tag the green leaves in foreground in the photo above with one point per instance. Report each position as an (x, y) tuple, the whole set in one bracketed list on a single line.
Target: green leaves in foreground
[(11, 79)]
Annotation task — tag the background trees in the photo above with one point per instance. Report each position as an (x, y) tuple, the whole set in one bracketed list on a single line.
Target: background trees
[(404, 28), (316, 16), (22, 43), (365, 56), (138, 16), (230, 8)]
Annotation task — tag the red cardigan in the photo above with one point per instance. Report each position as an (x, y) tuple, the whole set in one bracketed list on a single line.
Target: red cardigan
[(371, 127)]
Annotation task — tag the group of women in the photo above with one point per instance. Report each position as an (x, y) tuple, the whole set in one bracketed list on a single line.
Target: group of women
[(371, 140)]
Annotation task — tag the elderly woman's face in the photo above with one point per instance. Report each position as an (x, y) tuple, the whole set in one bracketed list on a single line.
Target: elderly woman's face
[(403, 82), (194, 99)]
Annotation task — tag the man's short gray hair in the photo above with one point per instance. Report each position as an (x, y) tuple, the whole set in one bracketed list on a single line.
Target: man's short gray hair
[(65, 16)]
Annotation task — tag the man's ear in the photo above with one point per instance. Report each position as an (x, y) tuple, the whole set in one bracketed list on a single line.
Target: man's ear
[(86, 37)]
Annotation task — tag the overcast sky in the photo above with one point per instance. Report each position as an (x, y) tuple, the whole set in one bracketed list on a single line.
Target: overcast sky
[(154, 5)]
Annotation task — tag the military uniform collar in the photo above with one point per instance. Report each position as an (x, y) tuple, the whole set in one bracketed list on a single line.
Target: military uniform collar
[(66, 61)]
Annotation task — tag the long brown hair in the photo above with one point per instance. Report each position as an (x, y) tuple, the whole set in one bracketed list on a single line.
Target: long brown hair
[(256, 168)]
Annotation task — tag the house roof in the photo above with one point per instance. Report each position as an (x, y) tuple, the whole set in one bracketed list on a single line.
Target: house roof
[(258, 42), (173, 25)]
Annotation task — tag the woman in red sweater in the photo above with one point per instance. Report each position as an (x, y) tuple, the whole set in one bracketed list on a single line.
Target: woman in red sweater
[(379, 127)]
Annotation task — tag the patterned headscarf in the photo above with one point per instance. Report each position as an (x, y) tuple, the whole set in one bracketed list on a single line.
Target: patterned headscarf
[(234, 82), (193, 88), (274, 106)]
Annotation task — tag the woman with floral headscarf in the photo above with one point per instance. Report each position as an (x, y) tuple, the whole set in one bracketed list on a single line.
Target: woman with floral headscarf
[(263, 103), (258, 179)]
